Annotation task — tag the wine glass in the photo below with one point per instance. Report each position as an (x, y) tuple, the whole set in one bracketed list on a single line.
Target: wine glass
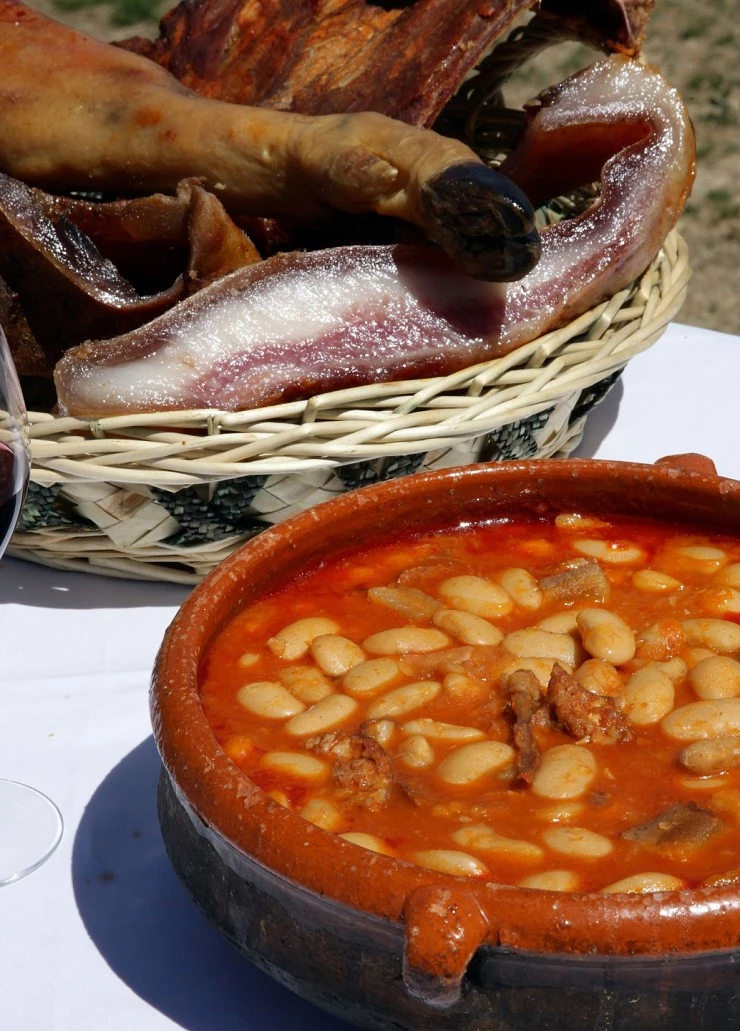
[(30, 823)]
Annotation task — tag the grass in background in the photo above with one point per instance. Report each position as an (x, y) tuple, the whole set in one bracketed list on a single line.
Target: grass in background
[(121, 12)]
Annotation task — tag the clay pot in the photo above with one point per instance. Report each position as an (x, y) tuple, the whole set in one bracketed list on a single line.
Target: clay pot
[(386, 944)]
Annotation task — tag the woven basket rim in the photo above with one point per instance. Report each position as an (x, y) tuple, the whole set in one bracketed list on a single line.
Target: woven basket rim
[(175, 449)]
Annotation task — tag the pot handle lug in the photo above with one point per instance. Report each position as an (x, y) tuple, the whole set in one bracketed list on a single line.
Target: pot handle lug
[(691, 462), (444, 927)]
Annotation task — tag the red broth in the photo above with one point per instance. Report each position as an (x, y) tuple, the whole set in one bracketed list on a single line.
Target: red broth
[(416, 744)]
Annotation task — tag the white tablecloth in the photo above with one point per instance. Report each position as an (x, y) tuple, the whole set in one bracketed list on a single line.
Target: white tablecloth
[(103, 936)]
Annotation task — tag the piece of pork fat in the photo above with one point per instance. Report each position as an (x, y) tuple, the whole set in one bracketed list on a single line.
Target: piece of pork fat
[(300, 323)]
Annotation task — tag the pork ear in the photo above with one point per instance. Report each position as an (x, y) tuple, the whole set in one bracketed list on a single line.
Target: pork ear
[(61, 285), (66, 289)]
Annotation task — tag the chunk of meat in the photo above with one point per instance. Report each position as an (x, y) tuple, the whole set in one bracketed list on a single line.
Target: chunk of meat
[(361, 768), (525, 700), (582, 579), (713, 756), (584, 715), (679, 828)]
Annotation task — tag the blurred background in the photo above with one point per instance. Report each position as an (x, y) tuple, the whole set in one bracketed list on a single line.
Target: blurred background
[(695, 43)]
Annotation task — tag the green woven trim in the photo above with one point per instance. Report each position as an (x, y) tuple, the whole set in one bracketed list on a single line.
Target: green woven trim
[(591, 396), (212, 512), (45, 508)]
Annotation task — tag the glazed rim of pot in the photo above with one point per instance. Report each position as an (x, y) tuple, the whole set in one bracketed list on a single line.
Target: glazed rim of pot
[(445, 917)]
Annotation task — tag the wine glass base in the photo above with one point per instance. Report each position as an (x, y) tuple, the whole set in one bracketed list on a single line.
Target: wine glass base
[(30, 829)]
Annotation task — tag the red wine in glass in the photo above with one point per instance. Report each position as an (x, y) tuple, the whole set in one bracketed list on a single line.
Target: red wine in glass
[(30, 823), (12, 489)]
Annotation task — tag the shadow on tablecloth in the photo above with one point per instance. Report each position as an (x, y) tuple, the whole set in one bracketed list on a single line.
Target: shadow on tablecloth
[(148, 929)]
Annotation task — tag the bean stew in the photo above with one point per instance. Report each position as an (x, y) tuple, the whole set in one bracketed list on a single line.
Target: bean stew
[(551, 704)]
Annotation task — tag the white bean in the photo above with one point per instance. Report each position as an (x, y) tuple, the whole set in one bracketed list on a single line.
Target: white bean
[(322, 813), (269, 699), (466, 627), (248, 659), (716, 677), (370, 677), (674, 668), (522, 587), (654, 582), (542, 669), (599, 677), (465, 690), (296, 765), (368, 841), (336, 655), (561, 622), (693, 656), (469, 763), (721, 601), (560, 812), (383, 731), (239, 747), (305, 682), (578, 841), (730, 576), (564, 772), (642, 883), (325, 715), (536, 643), (293, 641), (720, 635), (404, 699), (402, 640), (476, 595), (716, 717), (416, 751), (552, 880), (704, 558), (442, 731), (481, 838), (605, 635), (611, 553), (460, 864), (648, 696), (574, 522)]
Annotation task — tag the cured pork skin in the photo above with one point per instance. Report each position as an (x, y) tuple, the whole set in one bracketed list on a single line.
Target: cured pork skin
[(300, 323)]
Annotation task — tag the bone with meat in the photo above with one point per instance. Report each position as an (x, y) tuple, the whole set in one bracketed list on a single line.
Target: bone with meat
[(303, 323), (103, 118)]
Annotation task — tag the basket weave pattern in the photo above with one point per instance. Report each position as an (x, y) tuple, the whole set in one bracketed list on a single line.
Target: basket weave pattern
[(167, 496)]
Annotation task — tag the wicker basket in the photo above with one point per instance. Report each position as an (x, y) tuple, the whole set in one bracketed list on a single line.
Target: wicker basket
[(167, 496)]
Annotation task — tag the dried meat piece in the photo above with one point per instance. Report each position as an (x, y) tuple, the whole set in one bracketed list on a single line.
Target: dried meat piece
[(403, 59), (581, 579), (584, 715), (189, 233), (681, 827), (526, 703), (361, 768)]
